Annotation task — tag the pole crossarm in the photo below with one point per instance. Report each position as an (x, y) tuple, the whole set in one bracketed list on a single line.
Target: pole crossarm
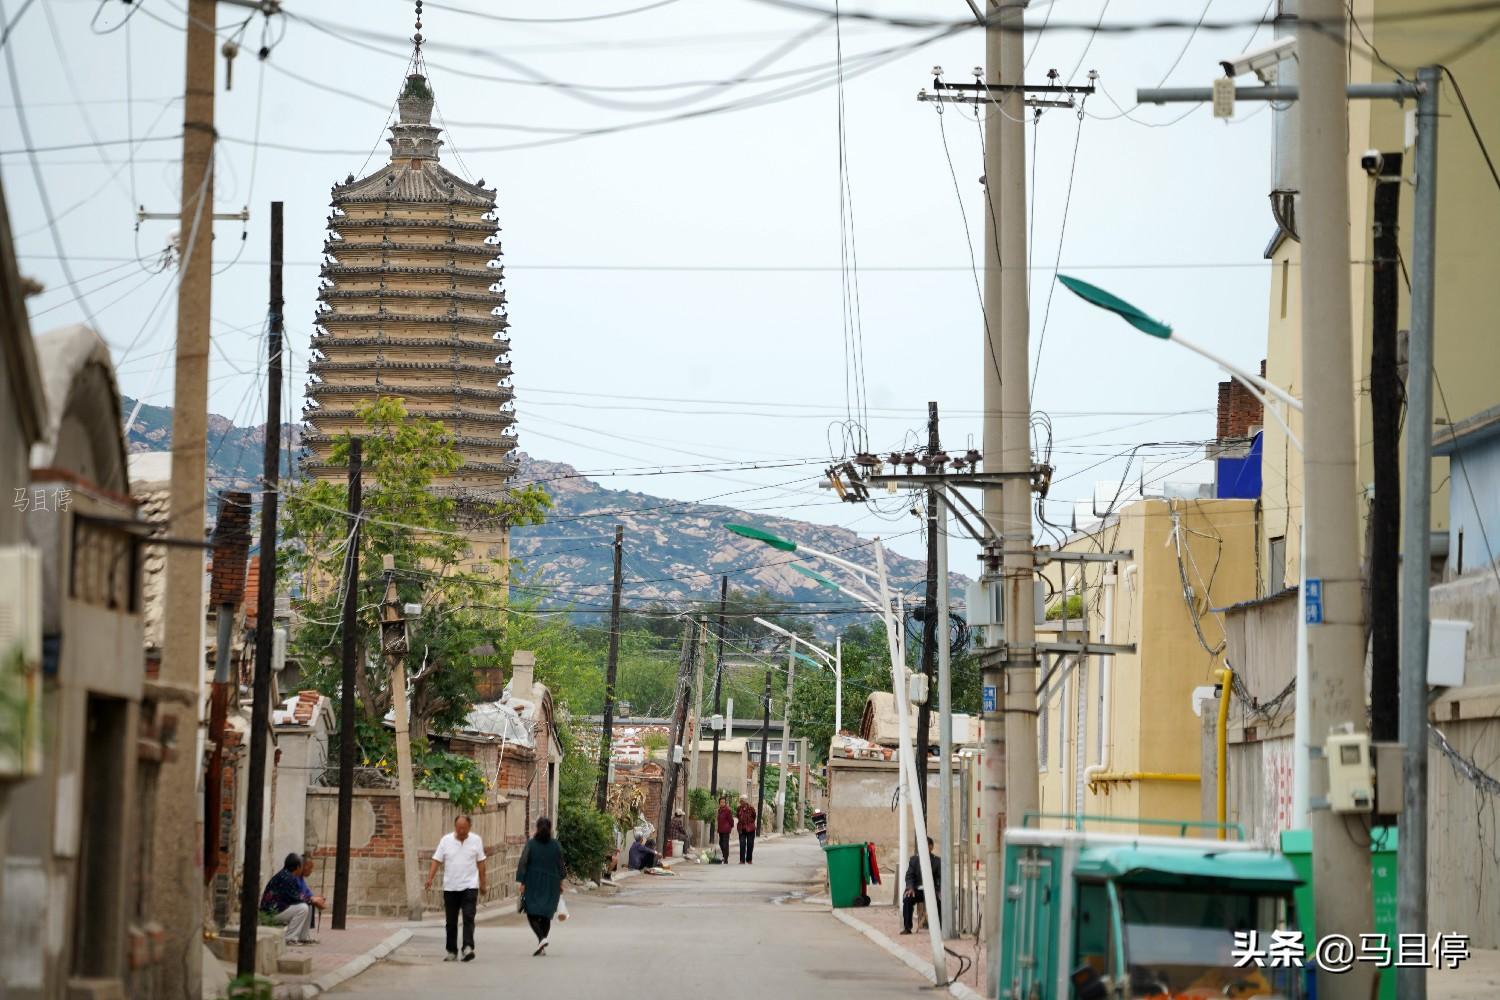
[(1399, 91), (1087, 648), (975, 480), (1046, 555)]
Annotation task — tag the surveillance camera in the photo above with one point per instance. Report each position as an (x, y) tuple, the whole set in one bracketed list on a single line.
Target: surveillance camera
[(1262, 62), (1372, 162)]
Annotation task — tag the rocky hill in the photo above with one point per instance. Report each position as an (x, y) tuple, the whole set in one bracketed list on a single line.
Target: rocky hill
[(675, 550)]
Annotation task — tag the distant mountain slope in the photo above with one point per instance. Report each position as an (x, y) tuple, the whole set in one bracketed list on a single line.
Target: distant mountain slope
[(675, 550)]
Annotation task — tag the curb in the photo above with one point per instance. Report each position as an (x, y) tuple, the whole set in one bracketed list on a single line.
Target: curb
[(354, 967), (959, 990)]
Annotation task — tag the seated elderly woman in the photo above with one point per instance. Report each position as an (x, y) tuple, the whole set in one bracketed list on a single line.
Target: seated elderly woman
[(643, 855)]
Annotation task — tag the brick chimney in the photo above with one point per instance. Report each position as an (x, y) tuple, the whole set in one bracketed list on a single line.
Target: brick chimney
[(523, 670), (1240, 413)]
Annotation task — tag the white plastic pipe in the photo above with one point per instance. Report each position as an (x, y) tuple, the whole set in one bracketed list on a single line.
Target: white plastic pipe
[(1106, 670)]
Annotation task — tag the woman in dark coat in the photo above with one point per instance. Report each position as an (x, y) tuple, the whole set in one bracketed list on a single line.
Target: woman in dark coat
[(539, 877)]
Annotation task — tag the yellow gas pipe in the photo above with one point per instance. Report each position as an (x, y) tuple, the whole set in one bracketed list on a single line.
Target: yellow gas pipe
[(1226, 680)]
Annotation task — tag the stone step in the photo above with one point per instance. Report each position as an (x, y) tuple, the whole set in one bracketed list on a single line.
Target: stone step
[(294, 965)]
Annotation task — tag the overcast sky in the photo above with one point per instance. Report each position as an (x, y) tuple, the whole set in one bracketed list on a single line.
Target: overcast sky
[(695, 262)]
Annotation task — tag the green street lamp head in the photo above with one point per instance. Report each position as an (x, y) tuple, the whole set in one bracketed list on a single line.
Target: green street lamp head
[(818, 578), (1094, 295), (775, 541)]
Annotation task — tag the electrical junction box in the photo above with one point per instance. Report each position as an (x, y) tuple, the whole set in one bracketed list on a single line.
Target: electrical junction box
[(1351, 778), (677, 755), (984, 602), (1446, 653), (716, 724), (1388, 770), (916, 689)]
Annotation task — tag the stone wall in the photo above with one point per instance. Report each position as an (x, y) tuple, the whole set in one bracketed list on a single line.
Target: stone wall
[(377, 884)]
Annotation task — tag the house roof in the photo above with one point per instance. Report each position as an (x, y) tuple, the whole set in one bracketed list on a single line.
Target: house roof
[(1467, 433), (83, 429)]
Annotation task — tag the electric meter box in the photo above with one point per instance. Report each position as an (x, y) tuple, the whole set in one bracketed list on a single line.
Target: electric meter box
[(916, 689), (1351, 777)]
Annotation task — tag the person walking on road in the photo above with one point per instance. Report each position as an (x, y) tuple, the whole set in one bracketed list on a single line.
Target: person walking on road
[(461, 854), (914, 895), (539, 877), (724, 823), (746, 815)]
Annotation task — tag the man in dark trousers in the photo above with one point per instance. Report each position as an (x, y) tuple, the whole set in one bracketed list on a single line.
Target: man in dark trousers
[(724, 825), (913, 892), (746, 815), (461, 855)]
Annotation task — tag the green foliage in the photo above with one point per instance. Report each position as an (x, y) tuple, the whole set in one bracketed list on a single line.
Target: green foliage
[(654, 741), (17, 721), (793, 794), (250, 987), (703, 805), (586, 834), (416, 86), (420, 528), (1069, 607), (454, 775)]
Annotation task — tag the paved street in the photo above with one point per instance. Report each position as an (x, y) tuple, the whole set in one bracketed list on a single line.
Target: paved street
[(729, 933)]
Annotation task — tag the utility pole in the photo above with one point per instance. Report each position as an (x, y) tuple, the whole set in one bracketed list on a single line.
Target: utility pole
[(348, 685), (602, 795), (260, 710), (394, 643), (765, 743), (1336, 638), (182, 655), (945, 721), (231, 548), (719, 684), (1009, 756), (784, 759), (929, 618), (679, 727), (695, 728), (1411, 865), (1385, 507)]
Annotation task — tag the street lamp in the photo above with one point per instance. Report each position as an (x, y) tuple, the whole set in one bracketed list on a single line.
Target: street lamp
[(834, 660), (894, 627), (1260, 388)]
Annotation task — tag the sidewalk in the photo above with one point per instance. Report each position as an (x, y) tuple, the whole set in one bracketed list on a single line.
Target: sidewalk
[(337, 957), (882, 925)]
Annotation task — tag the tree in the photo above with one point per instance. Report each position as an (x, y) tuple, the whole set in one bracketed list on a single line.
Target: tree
[(423, 529)]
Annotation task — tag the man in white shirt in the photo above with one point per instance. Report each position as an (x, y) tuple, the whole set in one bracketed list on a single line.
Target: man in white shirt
[(461, 854)]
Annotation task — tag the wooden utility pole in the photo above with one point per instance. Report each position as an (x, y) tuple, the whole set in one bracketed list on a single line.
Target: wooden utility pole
[(929, 617), (260, 711), (784, 759), (1383, 575), (607, 735), (695, 728), (719, 684), (393, 644), (348, 685), (679, 728), (176, 841)]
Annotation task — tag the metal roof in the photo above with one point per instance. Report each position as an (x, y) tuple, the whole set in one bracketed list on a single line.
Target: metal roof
[(1173, 865)]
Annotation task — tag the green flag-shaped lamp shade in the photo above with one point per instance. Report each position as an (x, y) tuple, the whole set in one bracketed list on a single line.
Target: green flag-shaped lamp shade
[(819, 578), (775, 541), (1095, 295)]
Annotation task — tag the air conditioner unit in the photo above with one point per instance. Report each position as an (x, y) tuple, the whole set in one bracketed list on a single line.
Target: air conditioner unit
[(21, 657)]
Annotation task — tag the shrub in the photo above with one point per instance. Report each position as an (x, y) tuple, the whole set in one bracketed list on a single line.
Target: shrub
[(587, 836)]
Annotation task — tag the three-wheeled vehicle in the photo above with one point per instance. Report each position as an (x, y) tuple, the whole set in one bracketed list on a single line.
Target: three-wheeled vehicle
[(1111, 916)]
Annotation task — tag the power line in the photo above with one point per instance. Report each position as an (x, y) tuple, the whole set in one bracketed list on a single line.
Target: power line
[(552, 20), (1473, 126)]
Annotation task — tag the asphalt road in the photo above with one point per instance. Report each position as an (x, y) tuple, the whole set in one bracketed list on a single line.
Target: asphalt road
[(721, 932)]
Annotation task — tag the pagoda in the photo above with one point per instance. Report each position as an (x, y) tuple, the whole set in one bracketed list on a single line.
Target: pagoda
[(411, 305)]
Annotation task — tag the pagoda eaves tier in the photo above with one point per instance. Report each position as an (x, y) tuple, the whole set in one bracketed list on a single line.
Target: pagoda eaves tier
[(412, 306)]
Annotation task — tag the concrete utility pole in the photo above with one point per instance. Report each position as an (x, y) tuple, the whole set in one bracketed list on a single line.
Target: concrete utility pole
[(945, 720), (177, 836), (679, 729), (394, 644), (719, 684), (260, 711), (1336, 637), (784, 759), (606, 736), (348, 686), (1009, 758), (1411, 864)]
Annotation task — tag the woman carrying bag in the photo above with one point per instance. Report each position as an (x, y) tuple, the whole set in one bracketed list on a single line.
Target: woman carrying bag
[(539, 876)]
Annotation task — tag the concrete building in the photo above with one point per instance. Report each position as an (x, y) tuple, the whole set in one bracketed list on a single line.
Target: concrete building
[(412, 307), (1118, 735), (1467, 298), (79, 892)]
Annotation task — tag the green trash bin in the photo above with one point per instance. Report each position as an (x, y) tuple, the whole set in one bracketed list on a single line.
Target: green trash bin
[(1297, 846), (846, 873)]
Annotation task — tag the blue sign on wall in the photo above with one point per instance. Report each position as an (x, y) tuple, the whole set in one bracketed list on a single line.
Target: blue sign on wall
[(991, 703), (1314, 602)]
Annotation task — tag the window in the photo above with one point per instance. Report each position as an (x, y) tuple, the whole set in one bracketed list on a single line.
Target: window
[(1276, 571)]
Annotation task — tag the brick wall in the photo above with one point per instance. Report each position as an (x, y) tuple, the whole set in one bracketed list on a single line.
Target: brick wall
[(1238, 410)]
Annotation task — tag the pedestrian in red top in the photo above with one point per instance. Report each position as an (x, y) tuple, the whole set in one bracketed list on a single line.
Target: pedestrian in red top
[(746, 814), (724, 823)]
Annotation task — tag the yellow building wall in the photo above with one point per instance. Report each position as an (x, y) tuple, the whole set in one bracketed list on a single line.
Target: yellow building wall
[(1151, 726), (1466, 345)]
